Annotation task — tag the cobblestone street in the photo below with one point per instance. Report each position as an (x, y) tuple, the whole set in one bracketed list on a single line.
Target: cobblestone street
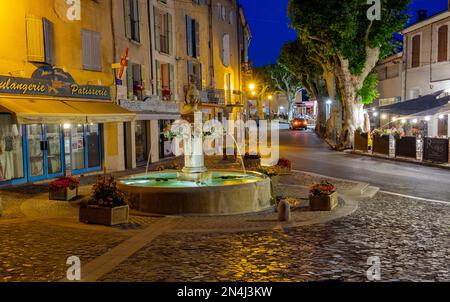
[(410, 236)]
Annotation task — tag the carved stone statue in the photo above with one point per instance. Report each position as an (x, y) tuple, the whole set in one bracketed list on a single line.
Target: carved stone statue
[(192, 97)]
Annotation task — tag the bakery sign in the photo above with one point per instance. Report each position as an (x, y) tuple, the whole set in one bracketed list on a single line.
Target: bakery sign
[(54, 82)]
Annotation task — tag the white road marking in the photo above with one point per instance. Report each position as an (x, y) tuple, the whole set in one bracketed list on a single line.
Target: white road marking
[(415, 197)]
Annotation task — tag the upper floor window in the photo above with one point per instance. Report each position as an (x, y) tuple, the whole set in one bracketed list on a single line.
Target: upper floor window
[(415, 61), (91, 50), (443, 43), (40, 40), (231, 18), (132, 20), (222, 11), (226, 56), (135, 84), (163, 31), (192, 37)]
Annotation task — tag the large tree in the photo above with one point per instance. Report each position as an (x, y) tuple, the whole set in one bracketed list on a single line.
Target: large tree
[(347, 44), (295, 56)]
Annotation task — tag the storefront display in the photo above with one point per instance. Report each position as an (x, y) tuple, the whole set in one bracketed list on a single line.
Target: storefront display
[(11, 153), (165, 144)]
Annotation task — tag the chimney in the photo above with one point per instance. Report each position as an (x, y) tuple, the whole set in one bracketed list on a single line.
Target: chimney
[(422, 14)]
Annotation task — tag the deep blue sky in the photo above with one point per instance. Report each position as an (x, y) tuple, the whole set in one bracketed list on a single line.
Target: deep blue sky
[(269, 25)]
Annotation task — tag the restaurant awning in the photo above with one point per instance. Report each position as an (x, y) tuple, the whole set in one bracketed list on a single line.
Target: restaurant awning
[(46, 111), (417, 105)]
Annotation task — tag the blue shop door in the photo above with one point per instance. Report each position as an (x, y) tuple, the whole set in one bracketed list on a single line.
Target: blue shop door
[(44, 151)]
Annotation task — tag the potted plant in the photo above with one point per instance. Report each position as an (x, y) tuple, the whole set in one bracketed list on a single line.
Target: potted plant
[(323, 197), (272, 171), (285, 165), (63, 188), (107, 205), (252, 161)]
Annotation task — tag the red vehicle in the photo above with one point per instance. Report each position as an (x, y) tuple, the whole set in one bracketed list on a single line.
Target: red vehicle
[(299, 124)]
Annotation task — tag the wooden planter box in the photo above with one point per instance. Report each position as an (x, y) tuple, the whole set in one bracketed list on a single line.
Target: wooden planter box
[(64, 194), (406, 147), (323, 202), (104, 216), (361, 141), (381, 144), (252, 163)]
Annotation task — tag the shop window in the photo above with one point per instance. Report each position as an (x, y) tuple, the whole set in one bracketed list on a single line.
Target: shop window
[(85, 147), (40, 40), (78, 147), (91, 50), (93, 142), (165, 80), (443, 43), (165, 144), (163, 31), (141, 142), (132, 20), (11, 152)]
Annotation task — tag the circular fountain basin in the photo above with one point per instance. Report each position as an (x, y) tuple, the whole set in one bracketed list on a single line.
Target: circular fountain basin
[(226, 192)]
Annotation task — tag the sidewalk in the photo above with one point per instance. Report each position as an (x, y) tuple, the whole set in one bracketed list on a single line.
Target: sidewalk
[(400, 159)]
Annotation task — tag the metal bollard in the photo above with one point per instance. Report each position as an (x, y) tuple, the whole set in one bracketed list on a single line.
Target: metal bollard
[(284, 211)]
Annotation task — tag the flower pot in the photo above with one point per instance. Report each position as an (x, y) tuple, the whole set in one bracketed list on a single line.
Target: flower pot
[(63, 194), (252, 163), (104, 216), (323, 202)]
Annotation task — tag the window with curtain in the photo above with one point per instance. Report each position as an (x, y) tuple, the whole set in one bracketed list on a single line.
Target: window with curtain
[(443, 43), (163, 31), (415, 61), (132, 19)]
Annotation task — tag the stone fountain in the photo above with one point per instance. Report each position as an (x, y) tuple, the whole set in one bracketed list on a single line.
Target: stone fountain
[(194, 190)]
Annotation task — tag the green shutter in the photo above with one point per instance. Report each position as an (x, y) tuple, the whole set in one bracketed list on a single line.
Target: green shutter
[(130, 88), (172, 81), (170, 33), (189, 36), (127, 18), (197, 38), (35, 39), (157, 28), (158, 79)]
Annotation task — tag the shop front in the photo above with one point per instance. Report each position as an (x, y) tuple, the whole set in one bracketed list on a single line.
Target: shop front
[(51, 134)]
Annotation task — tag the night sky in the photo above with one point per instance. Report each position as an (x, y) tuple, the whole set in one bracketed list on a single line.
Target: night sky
[(270, 30)]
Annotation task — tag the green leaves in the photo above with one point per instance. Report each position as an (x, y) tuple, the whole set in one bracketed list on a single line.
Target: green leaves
[(369, 91)]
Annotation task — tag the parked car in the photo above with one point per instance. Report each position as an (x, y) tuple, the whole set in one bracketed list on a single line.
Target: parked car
[(298, 124)]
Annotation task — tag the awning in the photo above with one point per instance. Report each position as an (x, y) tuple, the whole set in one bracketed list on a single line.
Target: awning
[(42, 111), (417, 105)]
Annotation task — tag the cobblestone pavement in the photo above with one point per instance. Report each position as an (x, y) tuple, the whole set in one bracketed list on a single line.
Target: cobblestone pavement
[(411, 238), (37, 251)]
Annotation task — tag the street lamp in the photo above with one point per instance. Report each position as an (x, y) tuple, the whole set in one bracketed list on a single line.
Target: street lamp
[(252, 86)]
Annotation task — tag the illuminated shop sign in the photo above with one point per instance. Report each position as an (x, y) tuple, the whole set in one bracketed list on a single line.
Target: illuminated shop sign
[(54, 82)]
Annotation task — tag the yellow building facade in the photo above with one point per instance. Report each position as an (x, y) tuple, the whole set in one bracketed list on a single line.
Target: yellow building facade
[(57, 84)]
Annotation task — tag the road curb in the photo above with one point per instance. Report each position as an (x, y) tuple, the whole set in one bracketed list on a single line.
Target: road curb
[(399, 159)]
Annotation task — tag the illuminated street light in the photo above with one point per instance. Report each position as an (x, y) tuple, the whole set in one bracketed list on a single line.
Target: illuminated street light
[(66, 126), (375, 113), (329, 102), (403, 121), (270, 97), (251, 86), (384, 116), (441, 116), (427, 118)]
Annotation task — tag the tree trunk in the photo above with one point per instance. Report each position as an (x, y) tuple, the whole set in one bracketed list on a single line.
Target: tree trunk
[(291, 103), (321, 118)]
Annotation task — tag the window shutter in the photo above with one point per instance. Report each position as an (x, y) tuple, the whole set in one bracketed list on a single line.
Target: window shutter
[(226, 50), (96, 51), (87, 48), (135, 24), (415, 62), (130, 88), (443, 43), (35, 39), (158, 78), (197, 39), (127, 17), (190, 70), (170, 33), (172, 80), (49, 42), (200, 77), (189, 36), (157, 28)]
